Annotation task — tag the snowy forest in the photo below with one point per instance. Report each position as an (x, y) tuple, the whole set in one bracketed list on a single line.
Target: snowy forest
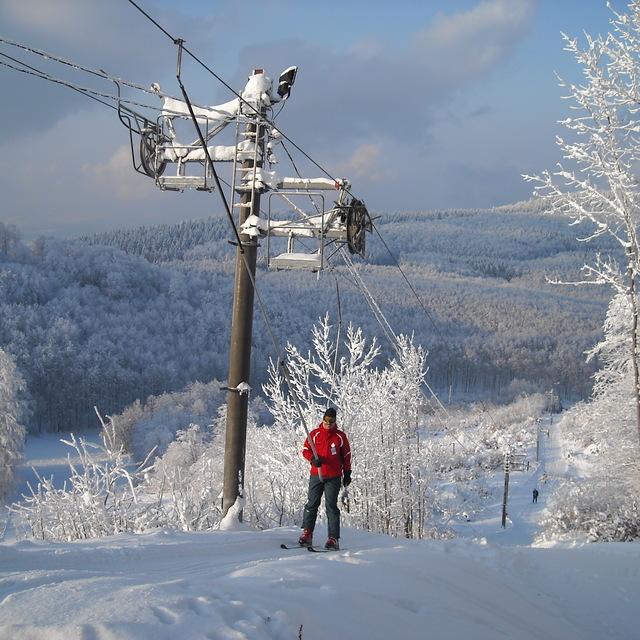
[(465, 326), (105, 320)]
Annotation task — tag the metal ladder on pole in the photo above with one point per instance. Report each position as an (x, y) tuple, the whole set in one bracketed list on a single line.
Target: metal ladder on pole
[(245, 181)]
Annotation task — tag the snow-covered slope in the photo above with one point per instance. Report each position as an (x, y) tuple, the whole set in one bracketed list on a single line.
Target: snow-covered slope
[(491, 583), (240, 584)]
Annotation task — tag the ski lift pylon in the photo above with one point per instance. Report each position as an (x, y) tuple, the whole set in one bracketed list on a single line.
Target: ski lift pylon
[(300, 233)]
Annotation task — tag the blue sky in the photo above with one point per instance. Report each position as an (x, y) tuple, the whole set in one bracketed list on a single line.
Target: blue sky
[(425, 105)]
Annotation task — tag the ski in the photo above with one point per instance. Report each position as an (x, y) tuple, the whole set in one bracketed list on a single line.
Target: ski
[(316, 550), (294, 546)]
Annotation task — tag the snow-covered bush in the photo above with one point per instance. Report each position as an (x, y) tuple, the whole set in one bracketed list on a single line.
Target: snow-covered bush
[(601, 511), (602, 435), (599, 500), (276, 475), (100, 499), (188, 478), (153, 426), (121, 427)]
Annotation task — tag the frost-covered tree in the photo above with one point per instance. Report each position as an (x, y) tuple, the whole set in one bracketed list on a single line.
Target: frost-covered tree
[(13, 412), (613, 382), (377, 407), (149, 428), (603, 190)]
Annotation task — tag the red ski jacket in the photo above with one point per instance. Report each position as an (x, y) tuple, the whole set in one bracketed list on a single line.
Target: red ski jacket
[(333, 448)]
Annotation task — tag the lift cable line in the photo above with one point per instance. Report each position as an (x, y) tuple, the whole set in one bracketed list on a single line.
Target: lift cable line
[(379, 316), (377, 311), (338, 334), (417, 297), (185, 49), (99, 96), (388, 331), (73, 65), (30, 70), (414, 292), (116, 99)]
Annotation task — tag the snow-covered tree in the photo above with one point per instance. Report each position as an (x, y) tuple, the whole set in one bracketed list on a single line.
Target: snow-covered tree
[(9, 239), (602, 190), (13, 412), (378, 409), (613, 382)]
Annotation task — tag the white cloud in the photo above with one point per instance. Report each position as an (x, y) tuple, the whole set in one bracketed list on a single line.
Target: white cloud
[(117, 178), (467, 44), (366, 164), (43, 15)]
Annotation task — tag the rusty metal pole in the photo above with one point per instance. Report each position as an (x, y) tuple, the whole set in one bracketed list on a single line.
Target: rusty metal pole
[(241, 330)]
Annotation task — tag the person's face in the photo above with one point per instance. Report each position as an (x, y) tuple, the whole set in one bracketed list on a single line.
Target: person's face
[(327, 423)]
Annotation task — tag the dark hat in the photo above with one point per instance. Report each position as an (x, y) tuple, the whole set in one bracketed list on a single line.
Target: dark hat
[(330, 413)]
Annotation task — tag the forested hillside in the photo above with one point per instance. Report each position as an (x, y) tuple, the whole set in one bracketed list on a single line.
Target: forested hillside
[(106, 319), (485, 310)]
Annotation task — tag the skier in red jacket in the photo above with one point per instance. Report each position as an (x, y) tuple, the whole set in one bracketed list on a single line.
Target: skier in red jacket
[(331, 466)]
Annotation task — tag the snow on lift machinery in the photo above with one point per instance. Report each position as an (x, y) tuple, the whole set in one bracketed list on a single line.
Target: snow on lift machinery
[(297, 243)]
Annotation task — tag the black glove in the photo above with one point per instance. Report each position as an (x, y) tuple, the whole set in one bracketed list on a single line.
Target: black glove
[(346, 480), (316, 461)]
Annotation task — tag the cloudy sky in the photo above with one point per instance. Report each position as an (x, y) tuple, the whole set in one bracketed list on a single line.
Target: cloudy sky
[(423, 105)]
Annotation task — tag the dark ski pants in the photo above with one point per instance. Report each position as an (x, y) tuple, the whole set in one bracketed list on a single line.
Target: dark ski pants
[(330, 488)]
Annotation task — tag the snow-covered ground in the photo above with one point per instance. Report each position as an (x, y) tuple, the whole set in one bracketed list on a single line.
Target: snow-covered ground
[(228, 585)]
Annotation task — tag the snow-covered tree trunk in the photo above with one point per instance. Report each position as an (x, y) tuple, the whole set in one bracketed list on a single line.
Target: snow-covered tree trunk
[(13, 411), (634, 337)]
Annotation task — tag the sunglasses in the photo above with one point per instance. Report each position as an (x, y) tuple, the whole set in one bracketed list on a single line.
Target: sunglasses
[(329, 420)]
